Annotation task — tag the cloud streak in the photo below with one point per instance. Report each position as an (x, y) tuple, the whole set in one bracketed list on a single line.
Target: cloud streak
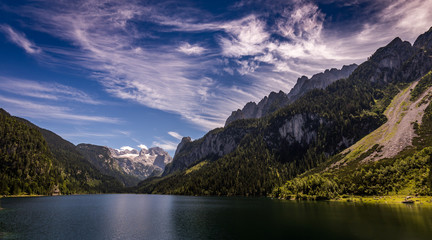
[(51, 91), (20, 39), (175, 135), (165, 144), (41, 111)]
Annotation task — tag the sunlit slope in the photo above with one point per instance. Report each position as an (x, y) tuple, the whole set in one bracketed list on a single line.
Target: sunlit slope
[(396, 134)]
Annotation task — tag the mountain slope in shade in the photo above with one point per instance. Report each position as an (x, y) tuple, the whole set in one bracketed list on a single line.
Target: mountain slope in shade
[(127, 165), (278, 100)]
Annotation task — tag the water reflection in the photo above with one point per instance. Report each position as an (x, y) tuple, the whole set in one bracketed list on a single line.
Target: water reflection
[(181, 217)]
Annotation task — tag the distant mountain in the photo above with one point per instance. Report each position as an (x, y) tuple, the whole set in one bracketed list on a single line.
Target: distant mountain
[(252, 156), (278, 100), (127, 165), (37, 161)]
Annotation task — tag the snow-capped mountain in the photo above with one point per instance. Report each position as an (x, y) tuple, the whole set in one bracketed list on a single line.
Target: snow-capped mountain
[(126, 161)]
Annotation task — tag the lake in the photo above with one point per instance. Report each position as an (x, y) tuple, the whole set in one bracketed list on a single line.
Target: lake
[(128, 216)]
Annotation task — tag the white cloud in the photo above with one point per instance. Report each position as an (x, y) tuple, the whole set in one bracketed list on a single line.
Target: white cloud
[(246, 37), (188, 49), (165, 145), (52, 91), (82, 134), (20, 39), (124, 148), (142, 146), (43, 111), (175, 135)]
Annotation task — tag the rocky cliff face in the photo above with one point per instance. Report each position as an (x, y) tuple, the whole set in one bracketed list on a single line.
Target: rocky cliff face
[(278, 100), (213, 145), (127, 165)]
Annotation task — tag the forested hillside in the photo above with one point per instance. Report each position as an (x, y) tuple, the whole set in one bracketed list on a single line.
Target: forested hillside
[(37, 161), (26, 163)]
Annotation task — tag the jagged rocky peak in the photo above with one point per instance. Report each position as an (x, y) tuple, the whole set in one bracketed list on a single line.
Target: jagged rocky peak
[(266, 106), (182, 144), (319, 81), (394, 54), (278, 100)]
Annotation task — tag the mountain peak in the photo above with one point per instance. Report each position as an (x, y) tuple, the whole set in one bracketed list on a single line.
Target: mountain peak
[(424, 40), (181, 145)]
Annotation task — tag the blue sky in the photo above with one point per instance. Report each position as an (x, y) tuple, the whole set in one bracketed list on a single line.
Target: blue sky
[(134, 73)]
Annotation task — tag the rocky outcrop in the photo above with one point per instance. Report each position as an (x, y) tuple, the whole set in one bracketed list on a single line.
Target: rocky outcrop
[(213, 145), (295, 129), (319, 81), (266, 106), (278, 100), (127, 165)]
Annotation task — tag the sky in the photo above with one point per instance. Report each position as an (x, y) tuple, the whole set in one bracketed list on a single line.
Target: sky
[(146, 73)]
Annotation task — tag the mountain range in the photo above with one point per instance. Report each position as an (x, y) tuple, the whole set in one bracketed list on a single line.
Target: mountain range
[(319, 138), (364, 130), (127, 165)]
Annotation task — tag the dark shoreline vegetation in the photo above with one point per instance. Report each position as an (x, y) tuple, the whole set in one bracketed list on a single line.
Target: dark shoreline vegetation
[(266, 158)]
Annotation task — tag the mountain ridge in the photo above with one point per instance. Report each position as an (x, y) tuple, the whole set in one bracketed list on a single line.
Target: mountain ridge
[(275, 101)]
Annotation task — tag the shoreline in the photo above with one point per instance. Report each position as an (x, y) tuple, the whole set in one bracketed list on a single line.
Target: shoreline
[(381, 200), (388, 199), (20, 196)]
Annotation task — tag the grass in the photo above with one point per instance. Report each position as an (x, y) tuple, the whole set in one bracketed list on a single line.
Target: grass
[(391, 199)]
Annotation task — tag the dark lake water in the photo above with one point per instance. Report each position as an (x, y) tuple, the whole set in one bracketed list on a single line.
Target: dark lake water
[(127, 216)]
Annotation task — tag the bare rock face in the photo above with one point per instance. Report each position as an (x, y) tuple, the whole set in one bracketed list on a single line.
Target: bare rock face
[(214, 144), (278, 100)]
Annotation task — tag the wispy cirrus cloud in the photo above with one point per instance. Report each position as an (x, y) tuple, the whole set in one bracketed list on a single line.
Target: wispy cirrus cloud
[(51, 91), (149, 66), (175, 135), (165, 144), (44, 111), (20, 39), (189, 49)]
